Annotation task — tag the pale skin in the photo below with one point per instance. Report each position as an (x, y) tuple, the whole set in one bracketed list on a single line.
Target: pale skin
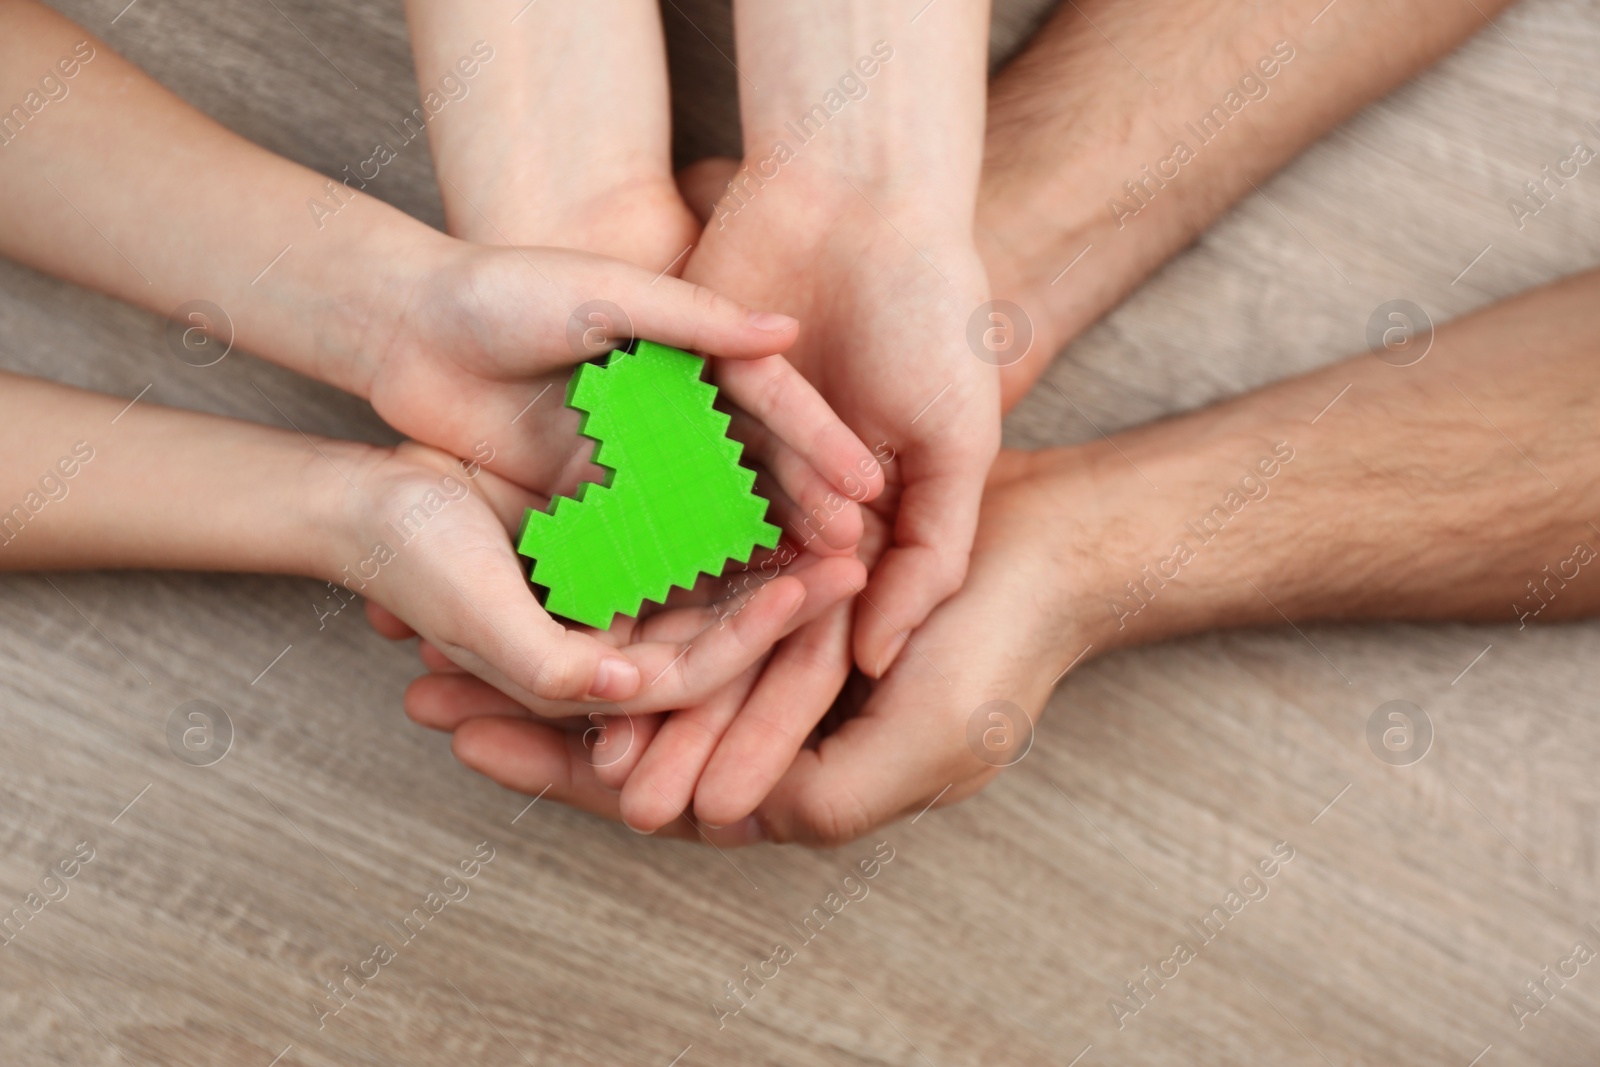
[(568, 141), (821, 798), (1402, 502), (91, 482), (868, 237), (452, 342), (1057, 542)]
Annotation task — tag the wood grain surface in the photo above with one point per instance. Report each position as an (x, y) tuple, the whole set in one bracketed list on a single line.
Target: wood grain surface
[(221, 899)]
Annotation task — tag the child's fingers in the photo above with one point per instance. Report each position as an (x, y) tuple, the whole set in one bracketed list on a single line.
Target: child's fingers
[(801, 681), (687, 654), (387, 623), (435, 660), (545, 762), (662, 785), (445, 701), (689, 611), (723, 651), (825, 528), (682, 675), (616, 743), (822, 516), (774, 394), (481, 615), (684, 315)]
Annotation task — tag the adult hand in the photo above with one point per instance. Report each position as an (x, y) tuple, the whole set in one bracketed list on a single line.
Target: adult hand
[(1097, 170)]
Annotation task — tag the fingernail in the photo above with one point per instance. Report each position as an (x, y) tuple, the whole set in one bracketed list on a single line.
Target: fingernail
[(890, 652), (772, 322), (616, 679)]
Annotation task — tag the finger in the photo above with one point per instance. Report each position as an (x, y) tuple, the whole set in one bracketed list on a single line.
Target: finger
[(822, 531), (482, 616), (707, 655), (542, 755), (805, 504), (684, 315), (877, 767), (387, 623), (794, 692), (688, 654), (933, 532), (774, 394), (445, 701), (703, 182), (680, 676), (617, 743), (545, 762), (689, 611), (435, 660), (734, 643), (662, 785)]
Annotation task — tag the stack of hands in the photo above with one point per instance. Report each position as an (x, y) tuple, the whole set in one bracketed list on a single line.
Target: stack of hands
[(841, 281)]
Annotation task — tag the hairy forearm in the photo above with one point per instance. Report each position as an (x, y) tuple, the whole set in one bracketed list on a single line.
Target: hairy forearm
[(568, 112), (90, 482), (1131, 143), (888, 96), (115, 183), (1462, 487)]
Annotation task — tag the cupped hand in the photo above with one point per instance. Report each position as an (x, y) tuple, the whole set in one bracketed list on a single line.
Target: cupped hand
[(885, 295), (893, 746), (428, 542), (471, 345)]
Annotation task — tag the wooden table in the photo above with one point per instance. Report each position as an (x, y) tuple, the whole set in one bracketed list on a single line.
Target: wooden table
[(221, 898)]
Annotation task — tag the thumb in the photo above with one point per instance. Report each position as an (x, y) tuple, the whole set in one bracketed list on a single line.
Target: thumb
[(486, 620)]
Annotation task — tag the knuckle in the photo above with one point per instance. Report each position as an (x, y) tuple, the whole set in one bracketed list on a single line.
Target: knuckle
[(775, 392), (557, 676), (834, 818), (819, 662), (707, 301), (949, 572)]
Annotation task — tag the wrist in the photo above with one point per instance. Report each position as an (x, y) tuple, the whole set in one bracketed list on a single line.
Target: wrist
[(329, 498), (1084, 158), (1150, 564), (860, 93), (360, 294)]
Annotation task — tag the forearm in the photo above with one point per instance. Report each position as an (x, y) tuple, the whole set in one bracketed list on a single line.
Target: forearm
[(90, 482), (1462, 487), (1084, 153), (856, 91), (118, 185), (564, 109)]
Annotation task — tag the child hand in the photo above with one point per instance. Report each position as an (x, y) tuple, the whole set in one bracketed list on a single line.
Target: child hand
[(701, 767), (427, 541), (470, 348)]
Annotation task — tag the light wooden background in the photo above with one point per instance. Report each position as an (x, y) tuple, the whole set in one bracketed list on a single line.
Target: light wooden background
[(1416, 905)]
